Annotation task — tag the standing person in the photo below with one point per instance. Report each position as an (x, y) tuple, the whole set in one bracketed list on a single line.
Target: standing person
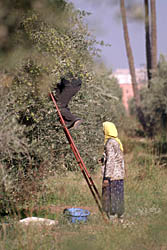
[(113, 173), (64, 91)]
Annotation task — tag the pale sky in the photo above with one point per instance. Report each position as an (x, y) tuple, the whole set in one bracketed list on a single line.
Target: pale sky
[(108, 28)]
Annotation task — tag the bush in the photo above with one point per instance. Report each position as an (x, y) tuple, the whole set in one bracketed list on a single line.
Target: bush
[(154, 102), (34, 145)]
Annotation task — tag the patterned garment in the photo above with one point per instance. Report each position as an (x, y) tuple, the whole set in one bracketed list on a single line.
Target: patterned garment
[(113, 160), (113, 172), (113, 197)]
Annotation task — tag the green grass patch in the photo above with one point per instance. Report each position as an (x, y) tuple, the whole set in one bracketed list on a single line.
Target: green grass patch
[(145, 222)]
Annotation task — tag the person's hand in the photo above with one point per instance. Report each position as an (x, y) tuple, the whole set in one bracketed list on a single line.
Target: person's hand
[(99, 161), (105, 183)]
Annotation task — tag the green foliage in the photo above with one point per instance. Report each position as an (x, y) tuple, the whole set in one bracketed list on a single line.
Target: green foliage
[(65, 51), (40, 140), (154, 102), (35, 144), (11, 13), (145, 215)]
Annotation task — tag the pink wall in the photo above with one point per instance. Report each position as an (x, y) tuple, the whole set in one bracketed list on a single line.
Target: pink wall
[(127, 93)]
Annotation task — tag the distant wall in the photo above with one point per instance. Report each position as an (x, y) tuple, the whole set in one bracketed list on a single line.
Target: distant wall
[(124, 80), (127, 93)]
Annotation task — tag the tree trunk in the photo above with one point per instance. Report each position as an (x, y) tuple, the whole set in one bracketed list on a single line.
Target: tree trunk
[(129, 54), (139, 111), (153, 36), (148, 43)]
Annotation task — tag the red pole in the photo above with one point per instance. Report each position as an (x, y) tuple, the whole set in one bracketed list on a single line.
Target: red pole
[(80, 161)]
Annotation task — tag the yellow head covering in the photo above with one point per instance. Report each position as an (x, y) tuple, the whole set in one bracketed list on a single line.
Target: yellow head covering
[(110, 131)]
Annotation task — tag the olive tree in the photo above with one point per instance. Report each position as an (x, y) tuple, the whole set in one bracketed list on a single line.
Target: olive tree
[(35, 140), (153, 102)]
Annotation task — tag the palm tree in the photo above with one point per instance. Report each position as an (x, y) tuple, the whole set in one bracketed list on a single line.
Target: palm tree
[(148, 43), (153, 35), (129, 54), (139, 111)]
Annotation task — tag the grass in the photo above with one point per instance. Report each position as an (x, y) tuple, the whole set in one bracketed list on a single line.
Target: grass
[(145, 225)]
